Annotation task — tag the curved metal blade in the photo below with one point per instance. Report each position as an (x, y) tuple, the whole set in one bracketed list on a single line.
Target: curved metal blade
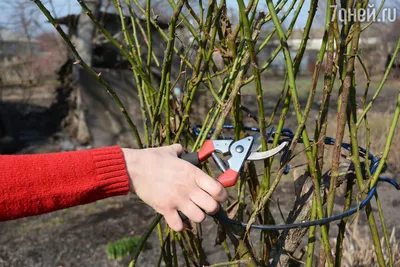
[(257, 142), (269, 131), (266, 154), (257, 138)]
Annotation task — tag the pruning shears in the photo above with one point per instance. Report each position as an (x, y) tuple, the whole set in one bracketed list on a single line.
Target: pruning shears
[(246, 150), (238, 152)]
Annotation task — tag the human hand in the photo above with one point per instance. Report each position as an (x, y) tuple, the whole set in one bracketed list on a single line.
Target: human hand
[(169, 184)]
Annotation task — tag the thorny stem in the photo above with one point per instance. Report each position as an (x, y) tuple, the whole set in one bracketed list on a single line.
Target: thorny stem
[(315, 173), (165, 85), (268, 18), (198, 79), (311, 235), (385, 232), (193, 254), (343, 222), (144, 238), (341, 122), (296, 65), (288, 34), (235, 78), (226, 96), (149, 37), (367, 127), (185, 252), (385, 76), (389, 140), (352, 114), (129, 41), (321, 127), (161, 32), (145, 92), (173, 244), (133, 60), (367, 165), (231, 263), (259, 90), (377, 14), (193, 31), (296, 68)]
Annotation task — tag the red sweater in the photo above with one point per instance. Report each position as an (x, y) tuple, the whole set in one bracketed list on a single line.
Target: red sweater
[(36, 184)]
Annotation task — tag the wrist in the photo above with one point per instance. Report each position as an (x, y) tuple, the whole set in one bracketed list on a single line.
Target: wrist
[(131, 158)]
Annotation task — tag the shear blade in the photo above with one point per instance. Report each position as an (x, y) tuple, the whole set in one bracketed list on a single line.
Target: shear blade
[(257, 138), (257, 142), (266, 154)]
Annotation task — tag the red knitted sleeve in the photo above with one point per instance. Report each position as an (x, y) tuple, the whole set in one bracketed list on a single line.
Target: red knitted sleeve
[(36, 184)]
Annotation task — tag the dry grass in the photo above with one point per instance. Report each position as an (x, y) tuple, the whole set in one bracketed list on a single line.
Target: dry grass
[(358, 247), (379, 124)]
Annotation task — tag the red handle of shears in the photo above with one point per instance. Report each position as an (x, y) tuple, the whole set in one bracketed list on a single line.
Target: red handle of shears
[(227, 179)]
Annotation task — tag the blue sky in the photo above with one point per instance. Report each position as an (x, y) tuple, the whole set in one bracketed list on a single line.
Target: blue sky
[(64, 7)]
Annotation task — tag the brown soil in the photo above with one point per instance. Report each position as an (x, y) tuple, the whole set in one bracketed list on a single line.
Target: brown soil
[(78, 236)]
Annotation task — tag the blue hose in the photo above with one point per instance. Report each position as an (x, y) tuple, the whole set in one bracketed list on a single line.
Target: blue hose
[(288, 135)]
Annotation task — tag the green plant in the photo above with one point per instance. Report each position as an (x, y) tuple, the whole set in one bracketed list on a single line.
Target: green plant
[(166, 117), (119, 249)]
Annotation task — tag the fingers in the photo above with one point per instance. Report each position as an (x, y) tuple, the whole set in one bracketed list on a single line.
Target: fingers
[(174, 221), (177, 148), (211, 186), (204, 201), (193, 212)]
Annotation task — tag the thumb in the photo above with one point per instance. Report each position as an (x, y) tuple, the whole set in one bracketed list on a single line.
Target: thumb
[(177, 148)]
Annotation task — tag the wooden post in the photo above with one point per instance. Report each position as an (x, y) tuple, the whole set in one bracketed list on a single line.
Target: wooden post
[(84, 45)]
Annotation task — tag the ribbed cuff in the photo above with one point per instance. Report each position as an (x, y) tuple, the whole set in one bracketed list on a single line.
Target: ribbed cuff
[(111, 172)]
